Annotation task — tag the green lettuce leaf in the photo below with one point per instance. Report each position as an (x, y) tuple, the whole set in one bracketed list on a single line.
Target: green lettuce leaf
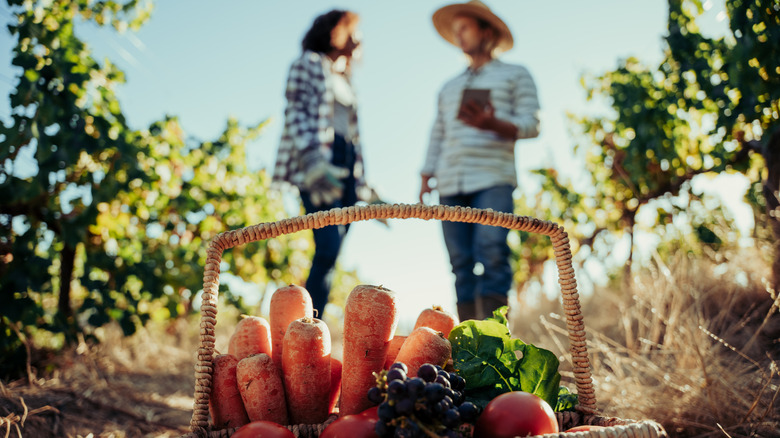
[(492, 362)]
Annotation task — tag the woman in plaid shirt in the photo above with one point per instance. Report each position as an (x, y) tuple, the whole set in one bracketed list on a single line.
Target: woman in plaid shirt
[(320, 152)]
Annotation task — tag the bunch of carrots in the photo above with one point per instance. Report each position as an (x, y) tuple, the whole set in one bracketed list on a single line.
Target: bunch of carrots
[(281, 369)]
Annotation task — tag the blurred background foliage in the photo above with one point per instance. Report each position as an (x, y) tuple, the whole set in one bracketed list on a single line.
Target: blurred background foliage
[(709, 108), (113, 223)]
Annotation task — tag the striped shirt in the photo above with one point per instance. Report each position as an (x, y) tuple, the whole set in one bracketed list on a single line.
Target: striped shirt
[(308, 133), (465, 159)]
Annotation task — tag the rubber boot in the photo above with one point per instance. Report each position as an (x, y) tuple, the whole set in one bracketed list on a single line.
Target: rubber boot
[(491, 302), (467, 310)]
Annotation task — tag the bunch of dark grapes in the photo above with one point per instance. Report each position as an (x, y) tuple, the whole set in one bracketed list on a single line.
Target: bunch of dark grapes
[(431, 404)]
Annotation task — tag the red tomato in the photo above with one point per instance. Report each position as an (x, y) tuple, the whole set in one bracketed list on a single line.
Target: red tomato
[(583, 428), (515, 414), (263, 429), (371, 413), (351, 426)]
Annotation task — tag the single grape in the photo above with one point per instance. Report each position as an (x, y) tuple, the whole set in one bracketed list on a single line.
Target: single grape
[(415, 387), (468, 411), (385, 412), (375, 395), (399, 366), (427, 372), (396, 374), (451, 418), (434, 392), (443, 381), (396, 387), (404, 406)]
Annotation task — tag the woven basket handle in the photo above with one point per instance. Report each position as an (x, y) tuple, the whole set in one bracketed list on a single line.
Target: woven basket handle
[(342, 216)]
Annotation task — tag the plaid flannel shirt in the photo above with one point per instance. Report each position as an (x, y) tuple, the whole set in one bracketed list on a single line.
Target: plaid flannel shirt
[(308, 132)]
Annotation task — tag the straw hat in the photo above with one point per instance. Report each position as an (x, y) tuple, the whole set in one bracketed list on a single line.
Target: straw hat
[(442, 20)]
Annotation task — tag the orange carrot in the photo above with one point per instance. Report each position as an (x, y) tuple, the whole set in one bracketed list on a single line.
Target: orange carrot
[(261, 388), (438, 319), (424, 345), (393, 349), (335, 384), (252, 335), (370, 320), (288, 303), (225, 404), (306, 370)]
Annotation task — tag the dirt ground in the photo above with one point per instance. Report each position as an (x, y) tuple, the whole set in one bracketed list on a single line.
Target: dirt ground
[(137, 387), (119, 410)]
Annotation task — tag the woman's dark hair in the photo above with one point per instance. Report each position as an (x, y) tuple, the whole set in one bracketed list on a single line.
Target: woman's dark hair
[(317, 39)]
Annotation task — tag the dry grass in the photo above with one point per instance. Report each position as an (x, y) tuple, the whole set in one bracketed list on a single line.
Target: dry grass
[(693, 346)]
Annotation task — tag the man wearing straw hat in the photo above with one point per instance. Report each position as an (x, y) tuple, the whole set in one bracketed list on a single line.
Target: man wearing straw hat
[(471, 151)]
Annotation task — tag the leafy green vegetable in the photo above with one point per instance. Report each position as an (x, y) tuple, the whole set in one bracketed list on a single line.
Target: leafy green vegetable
[(566, 400), (492, 362)]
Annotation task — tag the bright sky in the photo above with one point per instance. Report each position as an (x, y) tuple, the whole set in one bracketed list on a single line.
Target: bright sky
[(205, 61)]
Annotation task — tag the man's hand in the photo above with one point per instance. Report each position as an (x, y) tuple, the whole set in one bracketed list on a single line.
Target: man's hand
[(476, 115), (484, 118), (425, 188)]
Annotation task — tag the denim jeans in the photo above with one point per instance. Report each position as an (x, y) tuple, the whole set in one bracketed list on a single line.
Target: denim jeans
[(469, 244), (328, 240)]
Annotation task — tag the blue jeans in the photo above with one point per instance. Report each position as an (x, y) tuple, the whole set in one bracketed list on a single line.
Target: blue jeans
[(469, 244), (328, 240)]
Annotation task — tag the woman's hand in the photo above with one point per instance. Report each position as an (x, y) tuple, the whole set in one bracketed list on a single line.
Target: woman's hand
[(323, 182)]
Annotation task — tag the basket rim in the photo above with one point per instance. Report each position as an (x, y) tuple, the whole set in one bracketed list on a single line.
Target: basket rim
[(614, 428)]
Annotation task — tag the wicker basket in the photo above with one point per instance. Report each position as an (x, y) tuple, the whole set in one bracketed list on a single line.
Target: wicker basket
[(586, 410)]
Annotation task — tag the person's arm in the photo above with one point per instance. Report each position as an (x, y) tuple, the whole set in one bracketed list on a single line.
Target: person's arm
[(525, 104), (432, 155)]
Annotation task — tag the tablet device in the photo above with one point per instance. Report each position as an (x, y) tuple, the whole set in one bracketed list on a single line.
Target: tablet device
[(479, 95)]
